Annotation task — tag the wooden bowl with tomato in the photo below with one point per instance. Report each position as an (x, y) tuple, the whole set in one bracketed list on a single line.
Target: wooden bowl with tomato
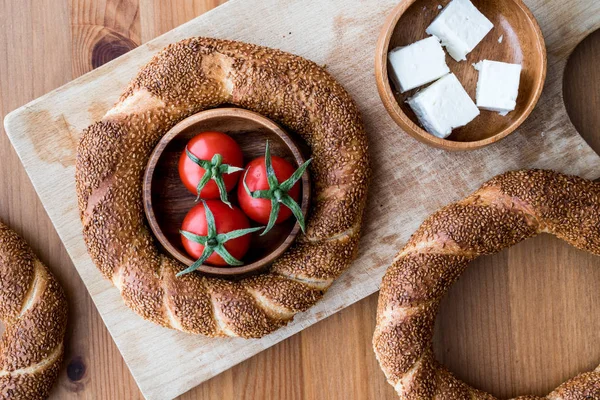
[(181, 207)]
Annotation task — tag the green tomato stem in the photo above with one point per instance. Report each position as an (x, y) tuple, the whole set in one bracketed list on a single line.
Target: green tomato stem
[(213, 169), (278, 192)]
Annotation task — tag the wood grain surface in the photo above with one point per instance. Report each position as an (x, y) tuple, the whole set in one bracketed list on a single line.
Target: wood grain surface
[(499, 330)]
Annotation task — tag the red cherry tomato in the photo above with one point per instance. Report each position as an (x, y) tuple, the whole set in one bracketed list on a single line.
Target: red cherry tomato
[(226, 220), (205, 146), (256, 179)]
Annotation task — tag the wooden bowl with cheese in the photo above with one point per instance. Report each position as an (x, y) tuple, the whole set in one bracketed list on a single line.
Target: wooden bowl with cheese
[(511, 37)]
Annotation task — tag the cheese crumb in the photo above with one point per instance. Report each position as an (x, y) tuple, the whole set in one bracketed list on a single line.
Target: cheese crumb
[(501, 38)]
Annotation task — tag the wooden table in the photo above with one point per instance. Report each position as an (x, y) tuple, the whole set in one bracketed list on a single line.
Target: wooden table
[(519, 322)]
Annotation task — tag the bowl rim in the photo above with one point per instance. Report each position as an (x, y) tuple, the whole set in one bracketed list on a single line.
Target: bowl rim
[(393, 108), (155, 156)]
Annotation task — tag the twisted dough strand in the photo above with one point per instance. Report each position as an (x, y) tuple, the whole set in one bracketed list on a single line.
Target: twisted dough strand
[(188, 77), (506, 210), (33, 308)]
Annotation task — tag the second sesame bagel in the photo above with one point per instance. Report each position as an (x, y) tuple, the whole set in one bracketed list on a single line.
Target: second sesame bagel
[(506, 210), (34, 309), (188, 77)]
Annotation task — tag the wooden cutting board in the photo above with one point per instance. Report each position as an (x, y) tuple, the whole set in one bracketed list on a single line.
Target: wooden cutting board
[(410, 179)]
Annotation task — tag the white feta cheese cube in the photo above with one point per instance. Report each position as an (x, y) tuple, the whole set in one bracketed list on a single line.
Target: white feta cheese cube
[(417, 64), (498, 86), (460, 26), (443, 106)]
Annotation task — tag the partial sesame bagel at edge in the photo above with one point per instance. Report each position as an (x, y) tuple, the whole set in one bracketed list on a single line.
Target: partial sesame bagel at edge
[(507, 210), (188, 77), (34, 310)]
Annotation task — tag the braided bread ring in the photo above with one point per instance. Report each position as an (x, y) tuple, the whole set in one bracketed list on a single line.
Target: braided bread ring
[(183, 79), (34, 309), (505, 211)]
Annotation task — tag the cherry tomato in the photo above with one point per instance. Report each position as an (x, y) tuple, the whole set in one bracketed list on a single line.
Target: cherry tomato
[(226, 220), (205, 146), (256, 179)]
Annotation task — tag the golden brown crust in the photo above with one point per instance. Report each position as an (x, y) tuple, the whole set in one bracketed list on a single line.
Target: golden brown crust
[(185, 78), (34, 309), (508, 209)]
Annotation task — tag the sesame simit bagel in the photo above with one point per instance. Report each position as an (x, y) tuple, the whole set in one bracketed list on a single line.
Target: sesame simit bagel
[(183, 79), (34, 310), (507, 210)]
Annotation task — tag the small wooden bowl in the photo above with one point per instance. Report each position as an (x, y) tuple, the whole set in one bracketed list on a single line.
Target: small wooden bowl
[(522, 42), (167, 201)]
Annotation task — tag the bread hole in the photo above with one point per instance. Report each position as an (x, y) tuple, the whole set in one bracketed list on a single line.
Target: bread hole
[(2, 328), (582, 89), (522, 321)]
